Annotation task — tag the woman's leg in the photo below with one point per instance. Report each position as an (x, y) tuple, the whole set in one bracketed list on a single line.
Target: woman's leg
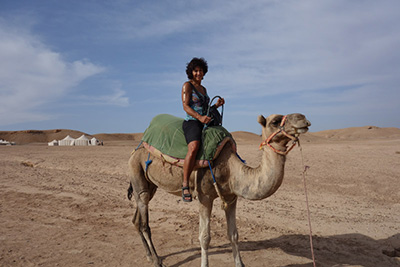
[(188, 165)]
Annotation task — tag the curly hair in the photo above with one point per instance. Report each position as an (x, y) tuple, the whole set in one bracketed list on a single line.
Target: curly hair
[(196, 62)]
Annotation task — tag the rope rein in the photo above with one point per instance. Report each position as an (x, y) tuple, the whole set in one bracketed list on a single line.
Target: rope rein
[(307, 204)]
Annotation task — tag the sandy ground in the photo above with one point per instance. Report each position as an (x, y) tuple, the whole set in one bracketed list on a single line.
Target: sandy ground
[(67, 206)]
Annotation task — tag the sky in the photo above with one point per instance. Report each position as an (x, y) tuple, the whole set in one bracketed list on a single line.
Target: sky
[(111, 66)]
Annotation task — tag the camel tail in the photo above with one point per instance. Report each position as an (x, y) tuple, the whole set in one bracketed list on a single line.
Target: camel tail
[(130, 191)]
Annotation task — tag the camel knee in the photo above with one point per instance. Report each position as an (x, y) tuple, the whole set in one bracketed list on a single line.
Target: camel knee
[(140, 224), (205, 239), (233, 237), (143, 198)]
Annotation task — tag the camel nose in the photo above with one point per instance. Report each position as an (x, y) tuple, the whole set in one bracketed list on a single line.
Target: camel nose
[(308, 123)]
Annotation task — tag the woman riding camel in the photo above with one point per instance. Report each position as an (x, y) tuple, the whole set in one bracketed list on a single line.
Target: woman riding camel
[(196, 116)]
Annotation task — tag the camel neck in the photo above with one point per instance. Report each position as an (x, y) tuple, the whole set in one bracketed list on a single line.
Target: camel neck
[(260, 182)]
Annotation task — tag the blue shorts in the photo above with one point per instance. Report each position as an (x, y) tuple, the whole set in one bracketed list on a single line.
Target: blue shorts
[(192, 130)]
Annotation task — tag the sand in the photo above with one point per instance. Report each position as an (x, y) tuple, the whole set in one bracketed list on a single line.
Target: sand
[(67, 206)]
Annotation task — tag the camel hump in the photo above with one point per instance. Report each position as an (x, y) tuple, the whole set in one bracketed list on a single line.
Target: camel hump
[(165, 134)]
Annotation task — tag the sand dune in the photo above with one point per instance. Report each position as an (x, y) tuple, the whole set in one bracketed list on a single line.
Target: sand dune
[(354, 133), (44, 136)]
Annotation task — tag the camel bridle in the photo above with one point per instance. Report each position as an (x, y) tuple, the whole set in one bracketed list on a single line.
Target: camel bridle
[(281, 129)]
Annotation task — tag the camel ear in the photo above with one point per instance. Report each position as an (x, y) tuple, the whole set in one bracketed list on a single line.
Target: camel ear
[(261, 120)]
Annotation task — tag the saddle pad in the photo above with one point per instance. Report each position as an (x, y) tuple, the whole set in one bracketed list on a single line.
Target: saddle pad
[(165, 134)]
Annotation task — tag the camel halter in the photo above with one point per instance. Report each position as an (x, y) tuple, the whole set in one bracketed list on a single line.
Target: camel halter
[(280, 130)]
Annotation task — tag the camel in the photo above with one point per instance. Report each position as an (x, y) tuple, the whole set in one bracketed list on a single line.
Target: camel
[(234, 178)]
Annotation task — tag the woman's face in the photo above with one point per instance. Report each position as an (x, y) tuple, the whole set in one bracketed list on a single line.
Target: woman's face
[(198, 74)]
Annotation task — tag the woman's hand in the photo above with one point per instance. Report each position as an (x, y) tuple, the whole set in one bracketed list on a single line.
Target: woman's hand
[(204, 119), (220, 102)]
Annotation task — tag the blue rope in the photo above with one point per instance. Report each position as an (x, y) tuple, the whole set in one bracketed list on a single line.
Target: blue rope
[(148, 162), (212, 173), (242, 160), (141, 141)]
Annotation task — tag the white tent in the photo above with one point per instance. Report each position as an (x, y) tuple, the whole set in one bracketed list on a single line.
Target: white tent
[(67, 141), (94, 141), (4, 142), (82, 141), (53, 143)]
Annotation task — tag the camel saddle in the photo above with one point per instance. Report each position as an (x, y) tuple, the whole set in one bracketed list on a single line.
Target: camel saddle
[(164, 139)]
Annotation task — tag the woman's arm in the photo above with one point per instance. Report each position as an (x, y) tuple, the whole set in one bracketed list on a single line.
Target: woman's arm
[(186, 95)]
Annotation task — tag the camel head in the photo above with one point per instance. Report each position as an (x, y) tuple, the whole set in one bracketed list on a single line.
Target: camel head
[(279, 129)]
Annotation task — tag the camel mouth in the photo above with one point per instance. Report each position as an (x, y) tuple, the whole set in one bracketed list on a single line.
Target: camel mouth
[(300, 130)]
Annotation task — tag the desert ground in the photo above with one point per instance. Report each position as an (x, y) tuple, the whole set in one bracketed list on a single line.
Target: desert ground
[(67, 206)]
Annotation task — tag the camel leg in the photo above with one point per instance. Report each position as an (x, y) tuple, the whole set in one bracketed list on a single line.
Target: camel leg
[(143, 191), (141, 221), (233, 235), (141, 217), (204, 227), (137, 221)]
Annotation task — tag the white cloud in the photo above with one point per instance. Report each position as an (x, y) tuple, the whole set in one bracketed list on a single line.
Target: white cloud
[(306, 45), (116, 98), (32, 76), (271, 47)]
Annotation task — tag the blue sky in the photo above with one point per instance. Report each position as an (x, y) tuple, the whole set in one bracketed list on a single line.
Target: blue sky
[(110, 66)]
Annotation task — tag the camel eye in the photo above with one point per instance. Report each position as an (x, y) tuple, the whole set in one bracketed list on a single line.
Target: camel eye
[(276, 122)]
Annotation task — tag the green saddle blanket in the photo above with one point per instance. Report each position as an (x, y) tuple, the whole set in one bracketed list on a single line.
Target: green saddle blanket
[(165, 134)]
